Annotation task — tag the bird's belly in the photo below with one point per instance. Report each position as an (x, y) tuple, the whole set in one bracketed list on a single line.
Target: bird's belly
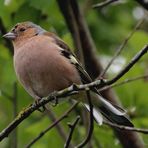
[(40, 76)]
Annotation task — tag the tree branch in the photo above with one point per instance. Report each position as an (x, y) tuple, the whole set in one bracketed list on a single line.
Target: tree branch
[(51, 115), (121, 47), (134, 60), (125, 82), (52, 125), (140, 130), (104, 4), (72, 126), (91, 122)]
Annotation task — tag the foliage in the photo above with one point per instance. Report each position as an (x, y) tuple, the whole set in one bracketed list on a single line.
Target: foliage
[(108, 28)]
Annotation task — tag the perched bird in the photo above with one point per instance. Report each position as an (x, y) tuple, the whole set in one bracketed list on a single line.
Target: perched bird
[(44, 63)]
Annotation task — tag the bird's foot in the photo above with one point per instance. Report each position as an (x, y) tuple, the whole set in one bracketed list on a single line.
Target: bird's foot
[(41, 109), (37, 101), (54, 100)]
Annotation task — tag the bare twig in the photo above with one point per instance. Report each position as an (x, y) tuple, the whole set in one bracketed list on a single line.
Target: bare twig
[(72, 127), (100, 84), (30, 109), (140, 130), (129, 66), (124, 82), (53, 118), (104, 4), (121, 47), (91, 123), (52, 125)]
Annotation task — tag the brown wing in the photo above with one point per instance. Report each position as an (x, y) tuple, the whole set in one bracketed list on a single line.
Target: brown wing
[(66, 52)]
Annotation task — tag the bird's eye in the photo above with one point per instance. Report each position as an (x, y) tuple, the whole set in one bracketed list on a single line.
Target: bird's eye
[(22, 29)]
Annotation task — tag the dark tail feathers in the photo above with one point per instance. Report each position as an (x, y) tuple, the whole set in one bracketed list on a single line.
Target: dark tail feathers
[(118, 119), (111, 112)]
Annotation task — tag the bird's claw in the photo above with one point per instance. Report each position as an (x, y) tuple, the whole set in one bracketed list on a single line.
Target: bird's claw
[(54, 100), (37, 101), (41, 109)]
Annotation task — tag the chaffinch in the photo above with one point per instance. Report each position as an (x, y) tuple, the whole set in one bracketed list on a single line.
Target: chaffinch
[(44, 63)]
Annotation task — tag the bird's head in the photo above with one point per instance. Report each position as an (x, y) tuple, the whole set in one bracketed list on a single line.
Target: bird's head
[(23, 31)]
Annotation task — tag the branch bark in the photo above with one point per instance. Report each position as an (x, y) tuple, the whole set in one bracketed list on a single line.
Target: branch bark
[(52, 125), (72, 127), (126, 128), (104, 4), (60, 129), (91, 122)]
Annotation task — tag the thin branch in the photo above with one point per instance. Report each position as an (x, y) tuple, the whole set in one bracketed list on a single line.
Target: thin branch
[(100, 84), (121, 47), (30, 109), (85, 117), (133, 61), (72, 126), (124, 82), (91, 122), (52, 125), (104, 4), (140, 130), (59, 127)]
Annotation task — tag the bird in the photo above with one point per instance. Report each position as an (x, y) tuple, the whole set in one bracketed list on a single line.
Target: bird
[(44, 63)]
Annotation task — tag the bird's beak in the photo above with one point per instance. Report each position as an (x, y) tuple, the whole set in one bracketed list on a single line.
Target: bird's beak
[(10, 36)]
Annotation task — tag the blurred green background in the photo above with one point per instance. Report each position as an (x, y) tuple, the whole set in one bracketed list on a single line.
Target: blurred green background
[(108, 27)]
